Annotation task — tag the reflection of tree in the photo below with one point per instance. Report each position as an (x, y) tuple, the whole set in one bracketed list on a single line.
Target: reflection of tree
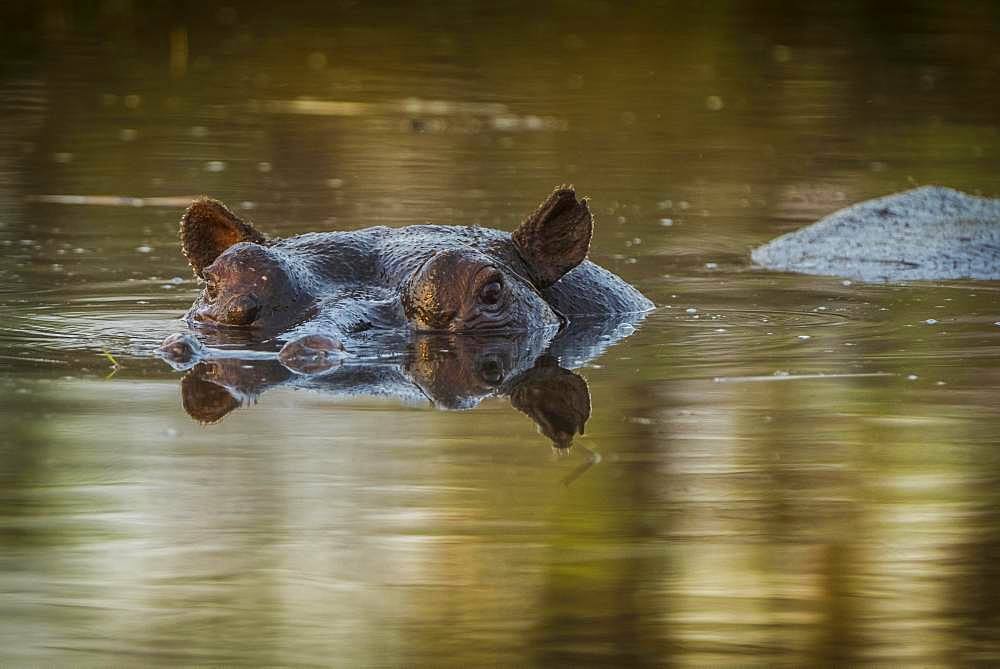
[(599, 603)]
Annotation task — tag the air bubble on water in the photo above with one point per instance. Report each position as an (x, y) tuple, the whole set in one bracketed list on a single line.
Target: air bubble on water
[(720, 330), (931, 321), (666, 222), (711, 265), (939, 383), (264, 167), (177, 280), (198, 131), (316, 61), (170, 432), (912, 377), (215, 166), (691, 310), (62, 157), (804, 337), (781, 53), (714, 103), (625, 329), (780, 372), (144, 249), (846, 282), (334, 183), (128, 134)]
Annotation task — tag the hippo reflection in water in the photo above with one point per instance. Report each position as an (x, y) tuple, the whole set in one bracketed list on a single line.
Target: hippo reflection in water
[(531, 369), (339, 301)]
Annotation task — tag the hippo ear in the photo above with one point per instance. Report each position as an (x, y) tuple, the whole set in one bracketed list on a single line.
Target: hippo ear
[(555, 238), (209, 228)]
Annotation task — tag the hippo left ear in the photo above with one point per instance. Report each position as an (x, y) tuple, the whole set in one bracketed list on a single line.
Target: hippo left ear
[(208, 228), (555, 238)]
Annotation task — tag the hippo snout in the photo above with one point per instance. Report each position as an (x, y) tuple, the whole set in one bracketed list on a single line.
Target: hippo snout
[(243, 310), (240, 311)]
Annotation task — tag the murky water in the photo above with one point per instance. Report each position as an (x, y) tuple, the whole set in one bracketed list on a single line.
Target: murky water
[(775, 469)]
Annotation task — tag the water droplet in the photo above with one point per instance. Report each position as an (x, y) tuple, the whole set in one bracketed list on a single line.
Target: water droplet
[(316, 61), (781, 53)]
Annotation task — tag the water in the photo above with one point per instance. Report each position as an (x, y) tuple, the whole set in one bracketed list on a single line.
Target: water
[(792, 470)]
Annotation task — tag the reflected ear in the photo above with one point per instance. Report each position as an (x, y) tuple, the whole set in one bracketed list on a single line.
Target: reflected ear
[(555, 238), (209, 228), (203, 400), (557, 399)]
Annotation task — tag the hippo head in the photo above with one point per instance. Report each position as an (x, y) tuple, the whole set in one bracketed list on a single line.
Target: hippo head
[(247, 283), (419, 278), (471, 290)]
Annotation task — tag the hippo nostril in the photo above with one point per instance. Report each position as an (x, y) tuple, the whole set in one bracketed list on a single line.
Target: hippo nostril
[(243, 310)]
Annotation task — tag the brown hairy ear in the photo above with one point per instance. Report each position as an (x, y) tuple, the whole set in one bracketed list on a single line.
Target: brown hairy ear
[(209, 228), (555, 238)]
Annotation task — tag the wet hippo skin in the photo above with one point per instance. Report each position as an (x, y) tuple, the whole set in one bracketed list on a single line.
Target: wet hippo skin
[(336, 288)]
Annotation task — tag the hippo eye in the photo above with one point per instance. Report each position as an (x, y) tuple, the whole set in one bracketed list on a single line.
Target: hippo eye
[(491, 293), (211, 291)]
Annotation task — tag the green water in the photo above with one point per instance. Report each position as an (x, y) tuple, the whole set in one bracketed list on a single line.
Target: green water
[(801, 471)]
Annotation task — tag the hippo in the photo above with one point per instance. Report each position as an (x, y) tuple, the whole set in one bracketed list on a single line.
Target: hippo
[(327, 295), (928, 233)]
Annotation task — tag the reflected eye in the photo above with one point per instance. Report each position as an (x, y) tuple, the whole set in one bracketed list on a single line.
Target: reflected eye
[(491, 372), (491, 293)]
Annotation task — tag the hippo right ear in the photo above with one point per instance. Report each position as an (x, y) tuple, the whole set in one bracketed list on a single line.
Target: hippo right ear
[(555, 238), (209, 228)]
